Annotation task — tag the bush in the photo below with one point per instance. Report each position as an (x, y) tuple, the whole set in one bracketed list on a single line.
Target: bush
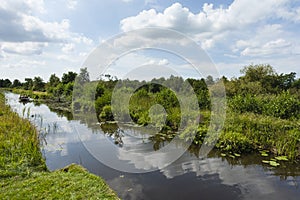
[(106, 114)]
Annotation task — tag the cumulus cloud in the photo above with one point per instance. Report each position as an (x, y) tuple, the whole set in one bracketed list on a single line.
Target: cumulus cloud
[(269, 48), (267, 41), (211, 24), (236, 35), (210, 19), (68, 48), (23, 48), (21, 26)]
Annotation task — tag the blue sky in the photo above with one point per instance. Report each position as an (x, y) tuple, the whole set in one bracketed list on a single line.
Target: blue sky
[(38, 38)]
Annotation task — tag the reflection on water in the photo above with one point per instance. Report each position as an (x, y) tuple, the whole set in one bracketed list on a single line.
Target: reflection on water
[(187, 178)]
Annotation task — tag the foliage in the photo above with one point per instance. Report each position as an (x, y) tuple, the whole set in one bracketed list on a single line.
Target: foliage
[(68, 77), (283, 105), (38, 84), (263, 106), (5, 83)]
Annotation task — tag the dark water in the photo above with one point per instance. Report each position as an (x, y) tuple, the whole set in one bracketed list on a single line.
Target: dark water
[(187, 178)]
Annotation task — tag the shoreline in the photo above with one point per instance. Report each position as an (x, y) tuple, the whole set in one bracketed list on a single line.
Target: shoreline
[(24, 174)]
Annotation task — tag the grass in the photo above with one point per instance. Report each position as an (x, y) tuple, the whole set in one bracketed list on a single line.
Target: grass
[(32, 94), (19, 145), (249, 132), (246, 132), (72, 182), (23, 172)]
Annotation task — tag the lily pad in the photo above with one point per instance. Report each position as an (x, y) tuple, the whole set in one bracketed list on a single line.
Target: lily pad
[(274, 164), (264, 154), (223, 154), (266, 161), (237, 155), (281, 158), (231, 156)]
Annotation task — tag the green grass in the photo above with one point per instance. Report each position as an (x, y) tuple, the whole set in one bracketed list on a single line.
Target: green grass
[(23, 172), (19, 144), (32, 94), (248, 131), (72, 182)]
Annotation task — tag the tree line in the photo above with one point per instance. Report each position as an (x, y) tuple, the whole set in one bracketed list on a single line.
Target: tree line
[(263, 107)]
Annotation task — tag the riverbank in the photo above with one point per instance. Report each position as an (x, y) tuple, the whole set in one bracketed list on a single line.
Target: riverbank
[(54, 103), (23, 172), (243, 132)]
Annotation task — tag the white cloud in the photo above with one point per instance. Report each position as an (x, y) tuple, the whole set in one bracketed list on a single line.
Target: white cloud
[(19, 24), (163, 62), (25, 64), (239, 13), (291, 13), (269, 40), (209, 25), (242, 33), (72, 4), (36, 5), (68, 48), (24, 48), (52, 31), (83, 39), (270, 48)]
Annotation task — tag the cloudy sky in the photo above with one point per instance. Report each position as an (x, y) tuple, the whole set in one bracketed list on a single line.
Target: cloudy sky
[(40, 37)]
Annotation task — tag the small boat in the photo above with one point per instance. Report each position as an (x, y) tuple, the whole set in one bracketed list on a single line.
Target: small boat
[(24, 98)]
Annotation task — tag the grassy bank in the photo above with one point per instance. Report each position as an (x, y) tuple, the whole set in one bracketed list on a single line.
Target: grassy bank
[(252, 132), (37, 95), (52, 102), (23, 173)]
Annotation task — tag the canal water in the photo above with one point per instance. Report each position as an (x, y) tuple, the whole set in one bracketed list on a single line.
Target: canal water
[(188, 177)]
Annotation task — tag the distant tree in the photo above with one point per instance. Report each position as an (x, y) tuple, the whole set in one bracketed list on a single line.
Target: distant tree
[(28, 84), (68, 77), (257, 72), (296, 84), (16, 83), (5, 83), (53, 80), (209, 80), (84, 76), (38, 84), (286, 81)]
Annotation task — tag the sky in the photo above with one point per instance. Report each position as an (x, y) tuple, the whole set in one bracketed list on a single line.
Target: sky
[(39, 37)]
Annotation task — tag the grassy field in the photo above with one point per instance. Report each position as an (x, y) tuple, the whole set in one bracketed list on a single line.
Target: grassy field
[(23, 173)]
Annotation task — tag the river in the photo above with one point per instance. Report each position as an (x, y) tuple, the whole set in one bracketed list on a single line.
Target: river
[(188, 177)]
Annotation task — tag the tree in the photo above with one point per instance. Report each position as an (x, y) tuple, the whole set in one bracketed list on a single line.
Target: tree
[(16, 83), (38, 84), (53, 80), (257, 72), (83, 76), (68, 77), (28, 84), (5, 83), (296, 84), (209, 80)]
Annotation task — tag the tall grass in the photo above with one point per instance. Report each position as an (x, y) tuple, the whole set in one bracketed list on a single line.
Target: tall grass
[(252, 131), (19, 144), (20, 156)]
